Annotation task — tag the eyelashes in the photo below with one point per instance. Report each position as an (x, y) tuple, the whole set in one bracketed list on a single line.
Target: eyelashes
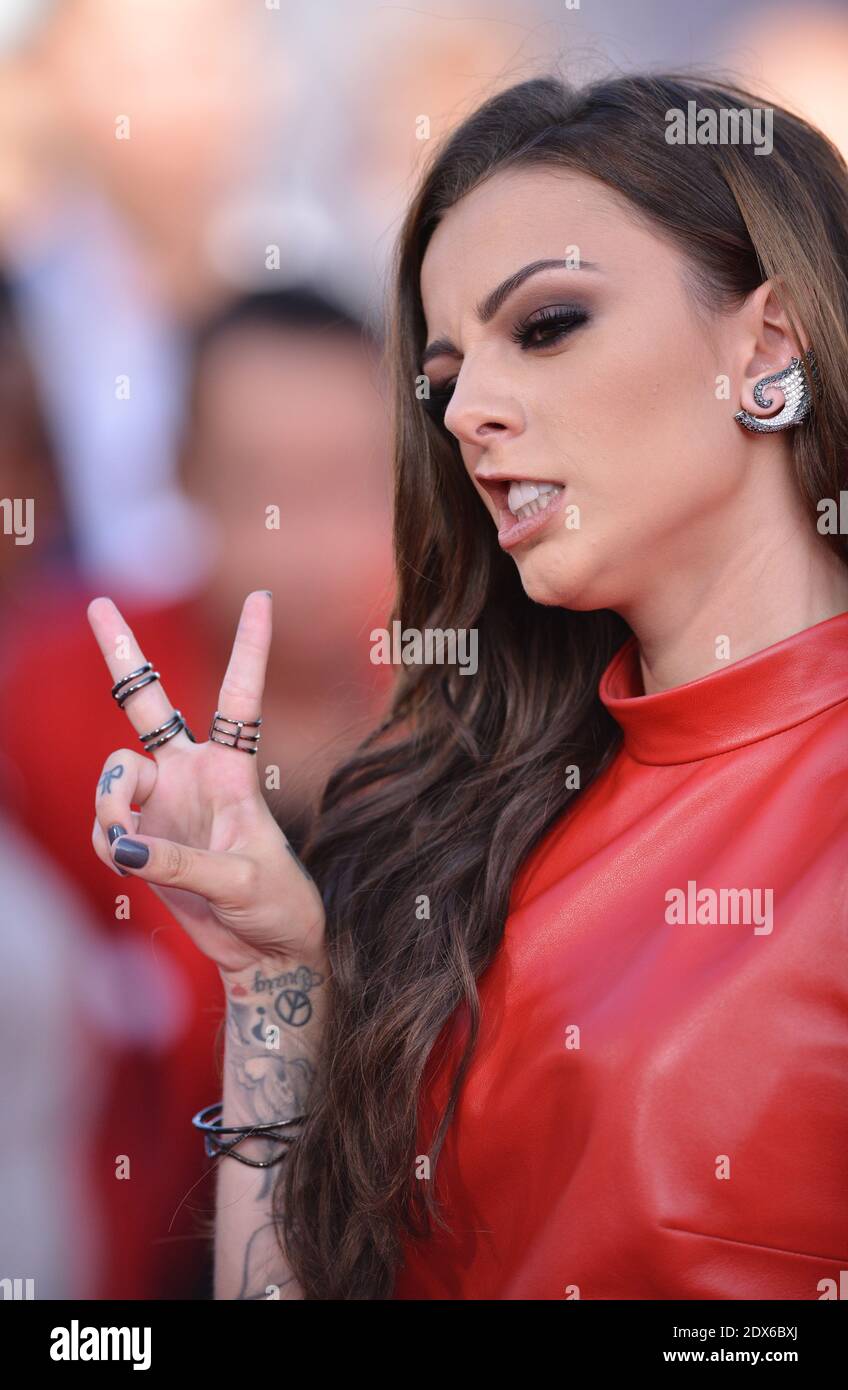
[(552, 323)]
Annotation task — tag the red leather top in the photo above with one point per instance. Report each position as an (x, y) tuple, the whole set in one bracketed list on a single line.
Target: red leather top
[(658, 1105)]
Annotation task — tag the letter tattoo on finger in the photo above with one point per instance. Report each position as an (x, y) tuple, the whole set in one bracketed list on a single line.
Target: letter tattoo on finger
[(111, 775)]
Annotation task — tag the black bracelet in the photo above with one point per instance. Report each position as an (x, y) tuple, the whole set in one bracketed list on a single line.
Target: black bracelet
[(212, 1127)]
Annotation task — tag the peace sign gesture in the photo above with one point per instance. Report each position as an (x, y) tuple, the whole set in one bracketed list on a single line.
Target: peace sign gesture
[(205, 839)]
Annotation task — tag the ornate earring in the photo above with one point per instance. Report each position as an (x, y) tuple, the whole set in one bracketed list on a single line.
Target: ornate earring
[(796, 397)]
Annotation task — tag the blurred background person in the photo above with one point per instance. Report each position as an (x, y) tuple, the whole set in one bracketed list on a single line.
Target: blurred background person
[(286, 451), (284, 420), (54, 1059), (28, 472)]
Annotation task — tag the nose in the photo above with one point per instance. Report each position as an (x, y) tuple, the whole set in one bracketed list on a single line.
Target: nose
[(480, 409)]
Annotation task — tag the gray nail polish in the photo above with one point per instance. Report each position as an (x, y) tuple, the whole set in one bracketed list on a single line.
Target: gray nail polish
[(132, 853), (113, 832)]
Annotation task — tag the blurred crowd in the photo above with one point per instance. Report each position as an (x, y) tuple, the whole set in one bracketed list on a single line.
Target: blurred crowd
[(176, 437), (197, 206)]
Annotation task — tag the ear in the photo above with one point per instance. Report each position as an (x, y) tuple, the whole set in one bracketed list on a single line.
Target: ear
[(768, 346)]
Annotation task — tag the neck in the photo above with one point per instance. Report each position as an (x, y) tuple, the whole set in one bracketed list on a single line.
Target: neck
[(755, 598)]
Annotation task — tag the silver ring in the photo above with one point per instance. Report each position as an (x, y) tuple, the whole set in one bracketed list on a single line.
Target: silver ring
[(234, 734), (169, 729), (121, 692)]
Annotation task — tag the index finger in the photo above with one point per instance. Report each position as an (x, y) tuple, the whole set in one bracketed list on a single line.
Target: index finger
[(240, 696), (149, 707)]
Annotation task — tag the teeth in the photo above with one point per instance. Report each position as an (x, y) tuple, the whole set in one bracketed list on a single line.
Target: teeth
[(525, 499)]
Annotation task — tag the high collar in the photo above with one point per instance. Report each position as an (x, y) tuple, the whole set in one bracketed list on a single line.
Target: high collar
[(741, 703)]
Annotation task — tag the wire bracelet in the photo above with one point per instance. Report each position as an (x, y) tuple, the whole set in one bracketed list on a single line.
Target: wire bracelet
[(212, 1127)]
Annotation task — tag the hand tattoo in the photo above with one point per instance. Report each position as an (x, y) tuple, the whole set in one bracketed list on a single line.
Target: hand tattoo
[(109, 776)]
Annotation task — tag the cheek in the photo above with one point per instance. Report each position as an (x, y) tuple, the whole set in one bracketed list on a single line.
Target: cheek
[(645, 461), (640, 436)]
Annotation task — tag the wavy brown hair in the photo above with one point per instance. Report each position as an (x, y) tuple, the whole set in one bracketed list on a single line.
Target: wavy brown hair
[(464, 777)]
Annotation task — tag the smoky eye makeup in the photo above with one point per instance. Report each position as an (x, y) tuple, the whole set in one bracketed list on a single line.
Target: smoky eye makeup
[(545, 326)]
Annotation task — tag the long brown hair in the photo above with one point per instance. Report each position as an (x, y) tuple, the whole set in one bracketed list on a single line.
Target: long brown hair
[(464, 777)]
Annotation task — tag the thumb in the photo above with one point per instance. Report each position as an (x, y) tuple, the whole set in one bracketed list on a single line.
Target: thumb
[(215, 876)]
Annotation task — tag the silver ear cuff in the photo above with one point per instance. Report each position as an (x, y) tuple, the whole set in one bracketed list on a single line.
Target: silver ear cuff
[(796, 397)]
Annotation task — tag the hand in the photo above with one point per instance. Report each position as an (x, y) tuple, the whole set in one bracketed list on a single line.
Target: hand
[(216, 857)]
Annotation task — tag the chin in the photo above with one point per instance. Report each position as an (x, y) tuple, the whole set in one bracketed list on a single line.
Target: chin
[(558, 586)]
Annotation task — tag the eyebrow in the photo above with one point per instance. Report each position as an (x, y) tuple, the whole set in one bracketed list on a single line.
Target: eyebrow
[(489, 306)]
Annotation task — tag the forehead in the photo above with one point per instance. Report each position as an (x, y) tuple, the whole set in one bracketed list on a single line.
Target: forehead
[(263, 383), (521, 215)]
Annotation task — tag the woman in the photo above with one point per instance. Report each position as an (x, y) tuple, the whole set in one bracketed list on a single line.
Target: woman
[(568, 1015)]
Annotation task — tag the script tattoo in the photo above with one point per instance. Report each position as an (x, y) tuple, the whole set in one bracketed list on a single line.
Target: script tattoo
[(109, 776), (292, 1003)]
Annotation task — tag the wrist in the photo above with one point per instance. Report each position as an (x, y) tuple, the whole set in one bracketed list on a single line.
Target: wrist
[(275, 972)]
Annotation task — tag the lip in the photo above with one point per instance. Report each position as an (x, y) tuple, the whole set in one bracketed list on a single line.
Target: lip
[(512, 532)]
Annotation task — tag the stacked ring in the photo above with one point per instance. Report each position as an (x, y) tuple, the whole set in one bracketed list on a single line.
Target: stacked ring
[(234, 734), (121, 691), (165, 731)]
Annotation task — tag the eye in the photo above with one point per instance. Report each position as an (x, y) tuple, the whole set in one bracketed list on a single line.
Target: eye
[(552, 323), (438, 401), (543, 330)]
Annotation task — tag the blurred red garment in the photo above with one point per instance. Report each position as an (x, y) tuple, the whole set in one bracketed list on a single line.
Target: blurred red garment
[(50, 1215), (161, 998), (58, 724)]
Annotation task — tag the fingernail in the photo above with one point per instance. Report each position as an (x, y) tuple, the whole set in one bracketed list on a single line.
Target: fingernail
[(132, 853), (114, 832)]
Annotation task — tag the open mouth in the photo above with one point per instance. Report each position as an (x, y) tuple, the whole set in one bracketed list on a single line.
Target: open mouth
[(524, 505)]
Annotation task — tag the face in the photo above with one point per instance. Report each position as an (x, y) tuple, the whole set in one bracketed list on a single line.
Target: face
[(296, 421), (599, 383)]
